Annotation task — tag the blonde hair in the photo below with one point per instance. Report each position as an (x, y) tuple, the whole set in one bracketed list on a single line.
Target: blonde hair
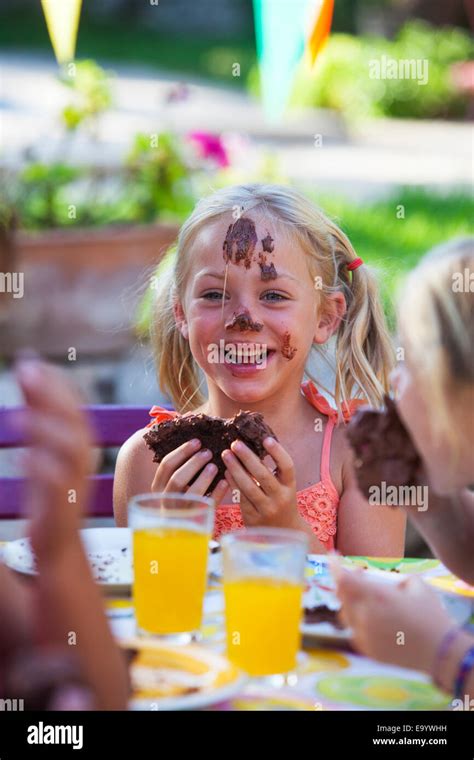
[(436, 320), (364, 352)]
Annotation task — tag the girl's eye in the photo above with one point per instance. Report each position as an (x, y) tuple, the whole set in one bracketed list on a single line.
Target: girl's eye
[(213, 295), (272, 295)]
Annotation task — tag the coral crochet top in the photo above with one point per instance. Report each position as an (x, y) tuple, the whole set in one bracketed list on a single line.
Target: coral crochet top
[(318, 503)]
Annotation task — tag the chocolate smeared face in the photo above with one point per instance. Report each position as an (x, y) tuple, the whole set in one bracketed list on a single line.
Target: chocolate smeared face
[(250, 307), (287, 350), (243, 322), (240, 241)]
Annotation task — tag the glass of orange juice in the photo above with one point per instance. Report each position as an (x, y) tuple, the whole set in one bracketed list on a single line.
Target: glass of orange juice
[(171, 533), (263, 589)]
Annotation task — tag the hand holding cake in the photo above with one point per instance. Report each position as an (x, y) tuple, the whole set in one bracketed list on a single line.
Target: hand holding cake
[(266, 497), (183, 446)]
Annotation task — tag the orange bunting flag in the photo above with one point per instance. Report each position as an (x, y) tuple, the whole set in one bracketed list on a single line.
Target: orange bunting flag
[(321, 28)]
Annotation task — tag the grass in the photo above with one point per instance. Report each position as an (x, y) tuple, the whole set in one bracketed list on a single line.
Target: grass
[(394, 246), (136, 44)]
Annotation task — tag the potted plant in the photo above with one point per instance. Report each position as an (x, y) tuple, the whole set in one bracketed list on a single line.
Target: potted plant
[(84, 236)]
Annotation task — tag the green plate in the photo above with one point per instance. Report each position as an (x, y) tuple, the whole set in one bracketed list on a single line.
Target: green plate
[(404, 565), (382, 693)]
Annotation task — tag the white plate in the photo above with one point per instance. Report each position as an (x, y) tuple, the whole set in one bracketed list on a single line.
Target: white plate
[(458, 607), (321, 592), (326, 633), (191, 701), (216, 667), (108, 550)]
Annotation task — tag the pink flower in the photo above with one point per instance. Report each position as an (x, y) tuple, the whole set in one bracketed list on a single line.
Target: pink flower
[(210, 146)]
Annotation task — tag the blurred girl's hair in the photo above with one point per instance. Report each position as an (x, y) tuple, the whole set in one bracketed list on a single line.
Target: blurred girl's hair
[(364, 353), (436, 322)]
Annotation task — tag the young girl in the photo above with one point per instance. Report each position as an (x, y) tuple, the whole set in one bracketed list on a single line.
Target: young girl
[(260, 266), (435, 387)]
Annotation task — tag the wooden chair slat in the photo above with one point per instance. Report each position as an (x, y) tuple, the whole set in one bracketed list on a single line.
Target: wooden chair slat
[(12, 501), (112, 425)]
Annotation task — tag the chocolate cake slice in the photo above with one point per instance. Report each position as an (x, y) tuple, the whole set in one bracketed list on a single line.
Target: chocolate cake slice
[(215, 434), (323, 614), (384, 451)]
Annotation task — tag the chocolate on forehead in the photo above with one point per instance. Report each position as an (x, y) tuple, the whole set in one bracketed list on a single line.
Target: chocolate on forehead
[(267, 270), (268, 243), (239, 245), (240, 241)]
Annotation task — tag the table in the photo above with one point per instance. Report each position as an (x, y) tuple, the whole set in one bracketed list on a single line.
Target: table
[(328, 678)]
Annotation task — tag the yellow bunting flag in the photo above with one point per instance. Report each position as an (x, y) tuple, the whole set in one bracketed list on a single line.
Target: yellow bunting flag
[(62, 20), (321, 28)]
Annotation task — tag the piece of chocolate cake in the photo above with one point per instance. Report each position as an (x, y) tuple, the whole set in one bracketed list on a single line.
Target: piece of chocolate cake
[(384, 452), (322, 614), (215, 434)]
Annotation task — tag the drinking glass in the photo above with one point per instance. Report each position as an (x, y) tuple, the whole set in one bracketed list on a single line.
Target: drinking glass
[(263, 589), (171, 533)]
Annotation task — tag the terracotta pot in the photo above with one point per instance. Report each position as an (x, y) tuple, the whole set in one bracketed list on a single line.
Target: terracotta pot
[(81, 288)]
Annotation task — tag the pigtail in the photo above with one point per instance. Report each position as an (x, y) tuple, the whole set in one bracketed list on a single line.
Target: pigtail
[(364, 351), (178, 374)]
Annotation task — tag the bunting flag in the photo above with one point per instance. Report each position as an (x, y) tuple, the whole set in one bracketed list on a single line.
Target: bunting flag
[(284, 29), (279, 28), (62, 20), (321, 28)]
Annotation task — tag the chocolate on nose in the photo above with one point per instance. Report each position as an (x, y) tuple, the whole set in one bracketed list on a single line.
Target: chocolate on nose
[(243, 322)]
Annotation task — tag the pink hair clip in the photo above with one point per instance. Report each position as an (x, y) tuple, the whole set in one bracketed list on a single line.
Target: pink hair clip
[(354, 264)]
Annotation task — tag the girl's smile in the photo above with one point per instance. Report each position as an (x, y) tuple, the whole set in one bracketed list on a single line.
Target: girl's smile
[(241, 366)]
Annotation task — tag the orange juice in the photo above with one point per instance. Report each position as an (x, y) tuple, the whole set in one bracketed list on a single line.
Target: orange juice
[(263, 618), (170, 573)]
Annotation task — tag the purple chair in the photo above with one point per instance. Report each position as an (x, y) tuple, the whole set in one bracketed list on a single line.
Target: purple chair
[(112, 426)]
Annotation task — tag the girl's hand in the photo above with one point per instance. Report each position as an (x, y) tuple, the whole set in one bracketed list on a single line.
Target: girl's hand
[(402, 624), (179, 467), (265, 498), (57, 461)]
